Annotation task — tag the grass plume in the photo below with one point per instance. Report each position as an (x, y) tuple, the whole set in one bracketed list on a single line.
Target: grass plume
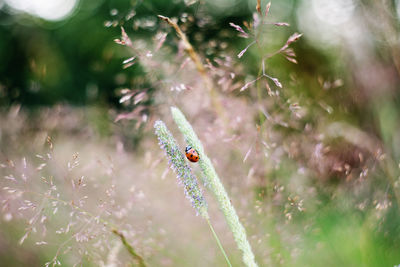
[(186, 177), (214, 183), (181, 168)]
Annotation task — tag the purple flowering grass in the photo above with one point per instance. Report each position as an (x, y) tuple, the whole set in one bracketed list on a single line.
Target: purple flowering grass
[(184, 173)]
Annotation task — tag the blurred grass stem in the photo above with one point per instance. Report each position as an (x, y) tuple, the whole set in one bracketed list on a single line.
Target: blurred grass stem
[(130, 249), (190, 50), (199, 66), (219, 243)]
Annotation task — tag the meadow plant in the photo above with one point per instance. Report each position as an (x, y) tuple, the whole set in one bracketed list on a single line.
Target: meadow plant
[(255, 31), (213, 182), (179, 165), (185, 175), (317, 172), (67, 200)]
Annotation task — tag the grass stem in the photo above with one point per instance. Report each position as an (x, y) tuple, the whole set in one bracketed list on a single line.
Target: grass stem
[(219, 243), (130, 249)]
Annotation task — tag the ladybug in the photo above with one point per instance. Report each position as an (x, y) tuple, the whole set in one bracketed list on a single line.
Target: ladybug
[(192, 154)]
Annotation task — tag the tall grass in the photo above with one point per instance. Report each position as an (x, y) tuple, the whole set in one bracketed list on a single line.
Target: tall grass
[(213, 183), (310, 159)]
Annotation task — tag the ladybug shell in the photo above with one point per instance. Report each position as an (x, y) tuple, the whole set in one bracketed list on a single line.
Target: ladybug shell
[(191, 154)]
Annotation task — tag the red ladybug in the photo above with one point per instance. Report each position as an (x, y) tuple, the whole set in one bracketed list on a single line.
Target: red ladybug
[(192, 154)]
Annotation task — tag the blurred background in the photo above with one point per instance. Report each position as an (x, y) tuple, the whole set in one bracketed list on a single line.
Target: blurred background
[(309, 156)]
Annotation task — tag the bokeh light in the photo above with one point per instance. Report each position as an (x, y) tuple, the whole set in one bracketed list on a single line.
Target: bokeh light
[(333, 12), (54, 10)]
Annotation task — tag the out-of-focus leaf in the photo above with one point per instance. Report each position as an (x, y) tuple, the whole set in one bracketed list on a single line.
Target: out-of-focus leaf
[(125, 98), (244, 87), (244, 50), (276, 81), (293, 60), (267, 8), (247, 154), (128, 62), (139, 97), (125, 38), (281, 24), (293, 38), (239, 29), (161, 37)]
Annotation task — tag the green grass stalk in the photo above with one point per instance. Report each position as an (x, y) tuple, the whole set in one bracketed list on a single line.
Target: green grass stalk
[(130, 249), (218, 243), (185, 176), (214, 184)]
